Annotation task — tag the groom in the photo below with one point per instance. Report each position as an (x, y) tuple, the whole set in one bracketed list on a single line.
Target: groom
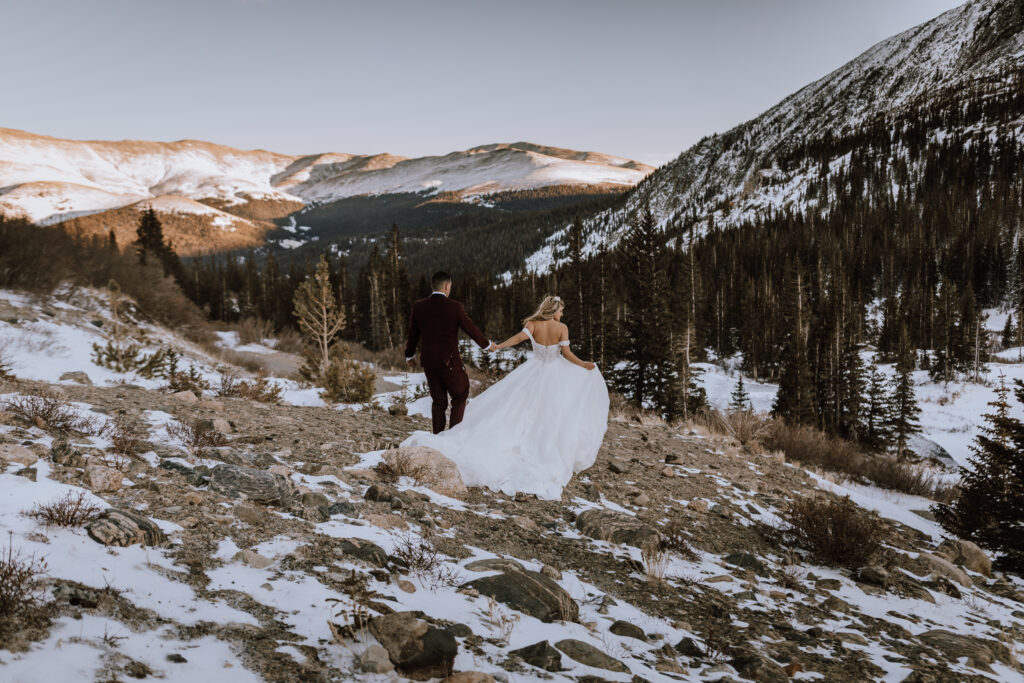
[(437, 320)]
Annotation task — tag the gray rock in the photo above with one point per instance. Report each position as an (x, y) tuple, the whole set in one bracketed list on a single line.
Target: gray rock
[(615, 527), (27, 472), (874, 575), (530, 593), (540, 655), (258, 486), (587, 654), (63, 453), (688, 647), (416, 648), (979, 653), (122, 528), (495, 564), (942, 567), (966, 553), (628, 630), (759, 668), (746, 561), (343, 507), (10, 452), (364, 550), (77, 376), (374, 660), (249, 513)]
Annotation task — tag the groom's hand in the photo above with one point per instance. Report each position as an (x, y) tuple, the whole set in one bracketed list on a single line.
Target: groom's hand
[(493, 347), (411, 362)]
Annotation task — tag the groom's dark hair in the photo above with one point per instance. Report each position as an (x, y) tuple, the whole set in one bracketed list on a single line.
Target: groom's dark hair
[(438, 280)]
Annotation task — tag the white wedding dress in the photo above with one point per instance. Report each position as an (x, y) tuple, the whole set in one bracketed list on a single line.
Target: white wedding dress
[(530, 431)]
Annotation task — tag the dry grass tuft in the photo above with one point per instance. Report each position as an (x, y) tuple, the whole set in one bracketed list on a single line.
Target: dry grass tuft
[(48, 411), (746, 426), (20, 583), (71, 511), (196, 434), (394, 466), (655, 560), (254, 330), (673, 539), (421, 558), (260, 389), (124, 437)]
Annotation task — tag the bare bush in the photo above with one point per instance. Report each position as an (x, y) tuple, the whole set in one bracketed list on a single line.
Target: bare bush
[(746, 426), (260, 389), (187, 380), (125, 438), (6, 372), (48, 411), (673, 539), (250, 362), (72, 510), (655, 559), (254, 330), (837, 532), (20, 582), (421, 558), (289, 341), (396, 465), (196, 434)]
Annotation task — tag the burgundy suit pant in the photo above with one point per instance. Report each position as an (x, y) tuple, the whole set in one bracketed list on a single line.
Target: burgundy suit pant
[(443, 382)]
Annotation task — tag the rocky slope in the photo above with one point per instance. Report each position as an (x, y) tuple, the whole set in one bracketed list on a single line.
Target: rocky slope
[(50, 180), (732, 176), (281, 555)]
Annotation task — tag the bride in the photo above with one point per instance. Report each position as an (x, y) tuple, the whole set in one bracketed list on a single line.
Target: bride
[(536, 427)]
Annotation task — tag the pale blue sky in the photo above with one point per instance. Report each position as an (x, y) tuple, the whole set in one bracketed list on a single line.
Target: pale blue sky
[(639, 78)]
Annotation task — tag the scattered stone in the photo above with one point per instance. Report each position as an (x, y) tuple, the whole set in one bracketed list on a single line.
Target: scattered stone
[(529, 592), (834, 604), (103, 479), (540, 655), (258, 486), (77, 376), (587, 654), (851, 637), (436, 471), (374, 660), (194, 498), (746, 561), (550, 572), (642, 500), (937, 565), (698, 505), (416, 648), (459, 630), (615, 527), (185, 397), (966, 553), (122, 528), (343, 507), (27, 472), (10, 452), (627, 630), (689, 648), (251, 558), (406, 586), (380, 493), (668, 471), (175, 658), (979, 653), (874, 575), (364, 550), (759, 668), (221, 425), (617, 466), (495, 564)]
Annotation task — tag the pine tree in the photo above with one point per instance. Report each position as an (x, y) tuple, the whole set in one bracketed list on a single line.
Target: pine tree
[(739, 399), (905, 411), (319, 318), (149, 243), (990, 507), (876, 431), (1008, 332), (794, 401)]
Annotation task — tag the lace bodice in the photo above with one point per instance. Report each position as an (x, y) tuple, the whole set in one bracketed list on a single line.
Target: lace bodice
[(546, 353)]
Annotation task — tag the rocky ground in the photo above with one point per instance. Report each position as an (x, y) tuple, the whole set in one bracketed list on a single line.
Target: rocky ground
[(288, 515), (263, 543)]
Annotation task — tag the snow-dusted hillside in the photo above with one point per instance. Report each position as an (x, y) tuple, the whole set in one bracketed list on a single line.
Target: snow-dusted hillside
[(48, 179), (724, 176)]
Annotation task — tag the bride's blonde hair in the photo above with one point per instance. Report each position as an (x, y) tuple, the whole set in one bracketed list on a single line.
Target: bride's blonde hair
[(547, 309)]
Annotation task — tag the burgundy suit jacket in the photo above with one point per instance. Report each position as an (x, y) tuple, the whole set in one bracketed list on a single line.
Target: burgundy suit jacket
[(435, 321)]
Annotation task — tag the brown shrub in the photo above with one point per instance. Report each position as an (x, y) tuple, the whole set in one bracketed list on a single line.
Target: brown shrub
[(254, 330), (673, 538), (196, 434), (746, 426), (260, 389), (398, 465), (48, 411), (124, 437), (20, 583), (837, 532), (420, 557), (72, 510), (289, 340), (186, 380)]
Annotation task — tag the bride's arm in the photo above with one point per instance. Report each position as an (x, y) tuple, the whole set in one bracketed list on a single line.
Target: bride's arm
[(513, 340), (569, 355)]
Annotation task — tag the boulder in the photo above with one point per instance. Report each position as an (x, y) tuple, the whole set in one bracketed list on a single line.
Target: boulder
[(374, 660), (417, 649), (78, 376), (10, 452), (247, 483), (495, 564), (249, 513), (185, 397), (435, 470), (103, 479), (529, 592), (874, 575), (746, 561), (967, 554), (540, 655), (364, 550), (936, 565), (979, 653), (759, 668), (251, 558), (688, 647), (343, 507), (628, 630), (587, 654), (615, 527), (123, 528)]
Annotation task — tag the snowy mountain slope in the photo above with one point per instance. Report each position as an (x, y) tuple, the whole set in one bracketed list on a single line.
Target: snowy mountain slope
[(723, 175), (48, 179)]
